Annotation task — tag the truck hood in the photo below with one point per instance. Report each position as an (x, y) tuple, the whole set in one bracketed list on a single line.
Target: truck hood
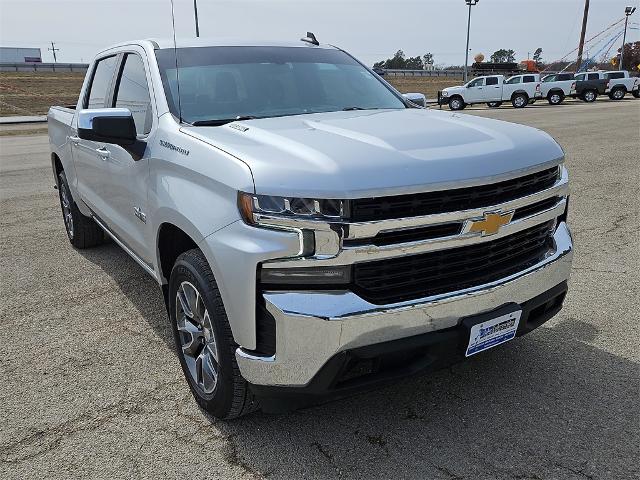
[(380, 152)]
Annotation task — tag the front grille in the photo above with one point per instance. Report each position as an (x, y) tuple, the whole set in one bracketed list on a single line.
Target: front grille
[(407, 278), (402, 206)]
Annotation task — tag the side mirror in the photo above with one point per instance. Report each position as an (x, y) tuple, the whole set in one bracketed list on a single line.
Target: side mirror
[(418, 99), (107, 125)]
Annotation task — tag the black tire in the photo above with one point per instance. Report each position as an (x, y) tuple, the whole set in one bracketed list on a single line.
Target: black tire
[(617, 93), (589, 96), (555, 98), (456, 103), (493, 104), (230, 397), (519, 100), (82, 231), (636, 93)]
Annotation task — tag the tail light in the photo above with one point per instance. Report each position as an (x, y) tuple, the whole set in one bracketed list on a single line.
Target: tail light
[(607, 84), (537, 87), (573, 86)]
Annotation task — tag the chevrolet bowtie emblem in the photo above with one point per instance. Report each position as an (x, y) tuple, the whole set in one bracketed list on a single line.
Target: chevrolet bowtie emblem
[(490, 224)]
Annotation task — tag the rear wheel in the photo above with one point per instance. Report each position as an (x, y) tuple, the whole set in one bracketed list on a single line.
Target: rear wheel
[(456, 103), (555, 98), (493, 104), (636, 93), (589, 96), (82, 231), (617, 94), (519, 100), (204, 341)]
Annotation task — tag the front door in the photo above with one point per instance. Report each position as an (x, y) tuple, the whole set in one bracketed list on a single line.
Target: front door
[(475, 91), (126, 182)]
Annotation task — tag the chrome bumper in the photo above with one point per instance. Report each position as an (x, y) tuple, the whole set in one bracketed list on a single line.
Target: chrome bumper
[(313, 326)]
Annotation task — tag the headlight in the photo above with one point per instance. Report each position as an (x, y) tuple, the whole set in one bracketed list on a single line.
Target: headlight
[(251, 206), (338, 275), (445, 94)]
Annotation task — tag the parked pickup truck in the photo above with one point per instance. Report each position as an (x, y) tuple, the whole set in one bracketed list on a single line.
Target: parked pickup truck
[(557, 86), (493, 90), (314, 234), (620, 83), (588, 85)]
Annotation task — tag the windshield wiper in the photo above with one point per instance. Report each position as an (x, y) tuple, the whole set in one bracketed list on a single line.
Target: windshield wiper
[(349, 109), (221, 121)]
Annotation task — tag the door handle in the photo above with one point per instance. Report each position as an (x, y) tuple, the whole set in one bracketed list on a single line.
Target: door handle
[(74, 139), (103, 152)]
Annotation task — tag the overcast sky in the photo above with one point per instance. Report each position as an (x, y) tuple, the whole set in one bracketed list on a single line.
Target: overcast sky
[(371, 30)]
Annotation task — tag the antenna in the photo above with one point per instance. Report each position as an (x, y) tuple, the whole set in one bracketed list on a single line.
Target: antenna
[(310, 38), (175, 53)]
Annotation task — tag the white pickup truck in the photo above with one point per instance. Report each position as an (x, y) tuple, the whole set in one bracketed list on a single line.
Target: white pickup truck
[(313, 232), (493, 90), (620, 83), (557, 86)]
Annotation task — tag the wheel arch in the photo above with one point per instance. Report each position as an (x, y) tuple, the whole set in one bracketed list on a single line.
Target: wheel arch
[(519, 92)]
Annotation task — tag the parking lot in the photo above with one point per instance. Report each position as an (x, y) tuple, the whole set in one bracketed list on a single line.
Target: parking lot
[(90, 386)]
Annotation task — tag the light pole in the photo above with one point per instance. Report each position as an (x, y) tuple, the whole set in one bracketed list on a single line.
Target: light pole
[(195, 13), (466, 53), (628, 12)]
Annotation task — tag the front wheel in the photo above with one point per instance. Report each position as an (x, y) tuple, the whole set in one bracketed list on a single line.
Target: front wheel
[(589, 96), (203, 339), (617, 94), (636, 93), (519, 100), (456, 103), (493, 104), (555, 98)]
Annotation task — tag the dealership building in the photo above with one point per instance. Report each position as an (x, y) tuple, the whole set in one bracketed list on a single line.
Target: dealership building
[(18, 55)]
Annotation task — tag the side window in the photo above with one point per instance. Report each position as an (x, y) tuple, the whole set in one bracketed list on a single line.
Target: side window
[(550, 78), (593, 76), (514, 80), (478, 82), (615, 75), (492, 81), (528, 79), (132, 92), (580, 77), (565, 76), (100, 82)]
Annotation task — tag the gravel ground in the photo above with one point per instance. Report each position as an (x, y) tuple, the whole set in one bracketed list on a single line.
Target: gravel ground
[(91, 387)]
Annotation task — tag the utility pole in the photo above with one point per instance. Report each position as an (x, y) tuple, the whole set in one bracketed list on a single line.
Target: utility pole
[(466, 53), (54, 50), (582, 34), (628, 12), (195, 13)]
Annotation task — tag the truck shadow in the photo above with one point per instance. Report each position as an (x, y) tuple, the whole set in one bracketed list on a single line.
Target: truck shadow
[(548, 405)]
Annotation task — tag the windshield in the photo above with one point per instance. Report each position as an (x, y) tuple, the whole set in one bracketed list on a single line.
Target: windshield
[(220, 84)]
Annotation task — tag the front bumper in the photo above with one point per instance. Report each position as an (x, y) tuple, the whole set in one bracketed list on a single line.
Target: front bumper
[(313, 326)]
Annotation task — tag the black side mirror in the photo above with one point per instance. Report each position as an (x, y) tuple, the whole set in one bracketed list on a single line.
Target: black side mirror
[(107, 125)]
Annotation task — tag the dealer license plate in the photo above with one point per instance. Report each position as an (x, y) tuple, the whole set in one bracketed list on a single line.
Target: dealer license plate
[(493, 332)]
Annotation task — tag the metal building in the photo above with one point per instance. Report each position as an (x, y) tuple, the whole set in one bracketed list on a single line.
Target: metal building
[(18, 55)]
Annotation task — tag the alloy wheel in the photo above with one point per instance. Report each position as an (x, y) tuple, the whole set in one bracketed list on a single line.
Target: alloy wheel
[(197, 337), (618, 94), (66, 210), (555, 98)]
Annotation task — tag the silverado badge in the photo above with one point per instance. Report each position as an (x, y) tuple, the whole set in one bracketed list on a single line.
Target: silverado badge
[(490, 223)]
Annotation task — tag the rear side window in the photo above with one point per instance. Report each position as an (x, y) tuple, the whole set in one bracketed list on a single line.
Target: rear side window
[(132, 92), (593, 76), (528, 79), (492, 81), (615, 75), (100, 83), (514, 80)]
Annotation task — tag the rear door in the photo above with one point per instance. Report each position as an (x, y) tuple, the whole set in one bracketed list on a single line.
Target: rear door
[(126, 179), (88, 156), (493, 89)]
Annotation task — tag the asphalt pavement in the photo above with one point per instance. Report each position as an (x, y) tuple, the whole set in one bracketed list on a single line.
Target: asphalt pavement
[(90, 386)]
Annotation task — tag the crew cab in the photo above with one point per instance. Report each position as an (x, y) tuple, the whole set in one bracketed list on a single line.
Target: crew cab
[(314, 233), (620, 83), (588, 85), (493, 90), (557, 86)]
